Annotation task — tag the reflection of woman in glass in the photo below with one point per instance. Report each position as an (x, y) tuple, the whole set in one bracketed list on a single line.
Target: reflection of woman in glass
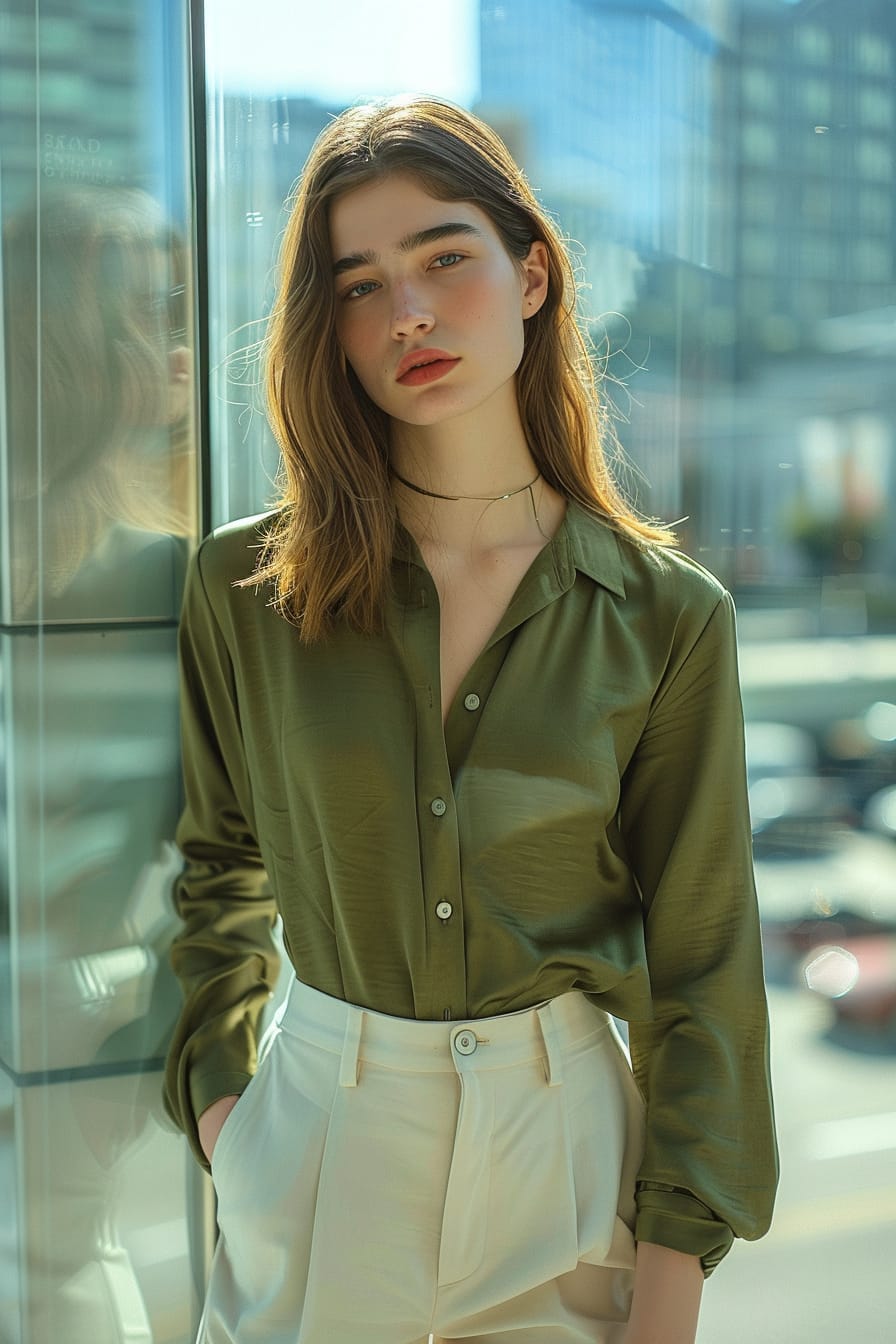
[(99, 393), (98, 388), (481, 727)]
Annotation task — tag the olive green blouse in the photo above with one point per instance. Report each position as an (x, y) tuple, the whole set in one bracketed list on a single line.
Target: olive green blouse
[(580, 823)]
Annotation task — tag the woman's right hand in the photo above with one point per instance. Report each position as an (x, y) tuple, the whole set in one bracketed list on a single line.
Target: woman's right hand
[(211, 1122)]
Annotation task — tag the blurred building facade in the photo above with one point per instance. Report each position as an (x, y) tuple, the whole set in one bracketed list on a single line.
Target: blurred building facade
[(729, 169), (815, 227)]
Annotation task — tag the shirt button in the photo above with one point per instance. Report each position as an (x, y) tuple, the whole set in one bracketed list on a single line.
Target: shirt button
[(471, 701), (443, 910), (465, 1042), (438, 807)]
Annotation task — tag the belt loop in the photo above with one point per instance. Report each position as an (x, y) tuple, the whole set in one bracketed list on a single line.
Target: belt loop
[(349, 1064), (553, 1067)]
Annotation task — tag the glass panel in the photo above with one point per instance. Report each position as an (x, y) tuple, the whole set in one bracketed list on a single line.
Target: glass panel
[(97, 515), (727, 166), (92, 726), (101, 1234)]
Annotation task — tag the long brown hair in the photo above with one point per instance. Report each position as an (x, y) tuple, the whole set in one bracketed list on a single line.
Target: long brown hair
[(328, 549)]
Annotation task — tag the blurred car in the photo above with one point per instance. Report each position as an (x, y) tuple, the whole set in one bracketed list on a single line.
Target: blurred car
[(880, 812), (794, 810), (776, 749), (823, 879), (858, 978), (862, 752), (789, 944), (824, 897), (798, 815)]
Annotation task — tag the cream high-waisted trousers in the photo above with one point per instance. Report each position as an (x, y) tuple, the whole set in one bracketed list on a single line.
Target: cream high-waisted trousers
[(382, 1178)]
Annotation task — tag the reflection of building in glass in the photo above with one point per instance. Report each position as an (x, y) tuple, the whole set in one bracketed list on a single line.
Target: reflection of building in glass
[(816, 227), (75, 85), (611, 107), (621, 124), (269, 139), (815, 244), (729, 168)]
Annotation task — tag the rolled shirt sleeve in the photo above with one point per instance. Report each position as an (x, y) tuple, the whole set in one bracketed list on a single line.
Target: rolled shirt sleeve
[(224, 957), (710, 1169)]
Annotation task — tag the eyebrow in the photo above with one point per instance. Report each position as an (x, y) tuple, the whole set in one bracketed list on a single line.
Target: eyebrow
[(411, 241)]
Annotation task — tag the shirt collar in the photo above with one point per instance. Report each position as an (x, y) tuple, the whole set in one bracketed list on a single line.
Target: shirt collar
[(582, 542), (592, 547)]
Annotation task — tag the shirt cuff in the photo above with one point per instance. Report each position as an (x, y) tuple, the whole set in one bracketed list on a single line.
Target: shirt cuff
[(205, 1090), (675, 1218)]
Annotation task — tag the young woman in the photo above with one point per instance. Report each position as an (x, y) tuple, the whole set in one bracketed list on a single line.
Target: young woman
[(473, 730)]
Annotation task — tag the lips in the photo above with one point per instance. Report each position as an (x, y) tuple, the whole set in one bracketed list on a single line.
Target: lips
[(415, 360)]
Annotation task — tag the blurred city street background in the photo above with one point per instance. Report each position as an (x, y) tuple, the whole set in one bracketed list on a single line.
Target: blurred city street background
[(825, 1272)]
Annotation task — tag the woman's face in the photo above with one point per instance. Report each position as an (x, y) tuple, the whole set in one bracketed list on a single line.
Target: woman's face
[(420, 279)]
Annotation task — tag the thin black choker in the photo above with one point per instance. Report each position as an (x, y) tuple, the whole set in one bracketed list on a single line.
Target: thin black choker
[(489, 498)]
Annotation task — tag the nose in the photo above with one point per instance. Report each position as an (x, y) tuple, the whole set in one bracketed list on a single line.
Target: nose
[(410, 314)]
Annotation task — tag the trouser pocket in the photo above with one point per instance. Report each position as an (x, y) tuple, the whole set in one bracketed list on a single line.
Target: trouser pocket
[(606, 1127), (266, 1179)]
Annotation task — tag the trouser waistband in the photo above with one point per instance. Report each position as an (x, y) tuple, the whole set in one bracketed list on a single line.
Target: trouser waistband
[(415, 1045)]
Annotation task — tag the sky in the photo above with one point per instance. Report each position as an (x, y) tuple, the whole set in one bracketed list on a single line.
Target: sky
[(342, 50)]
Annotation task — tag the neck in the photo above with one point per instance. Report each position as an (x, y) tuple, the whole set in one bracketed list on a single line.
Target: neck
[(528, 489), (483, 489), (455, 499)]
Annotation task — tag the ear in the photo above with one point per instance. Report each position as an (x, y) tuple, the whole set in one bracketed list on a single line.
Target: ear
[(180, 364), (536, 275), (180, 378)]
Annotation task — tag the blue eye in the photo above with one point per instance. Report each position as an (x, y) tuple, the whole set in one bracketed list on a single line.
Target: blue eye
[(451, 258), (359, 290)]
